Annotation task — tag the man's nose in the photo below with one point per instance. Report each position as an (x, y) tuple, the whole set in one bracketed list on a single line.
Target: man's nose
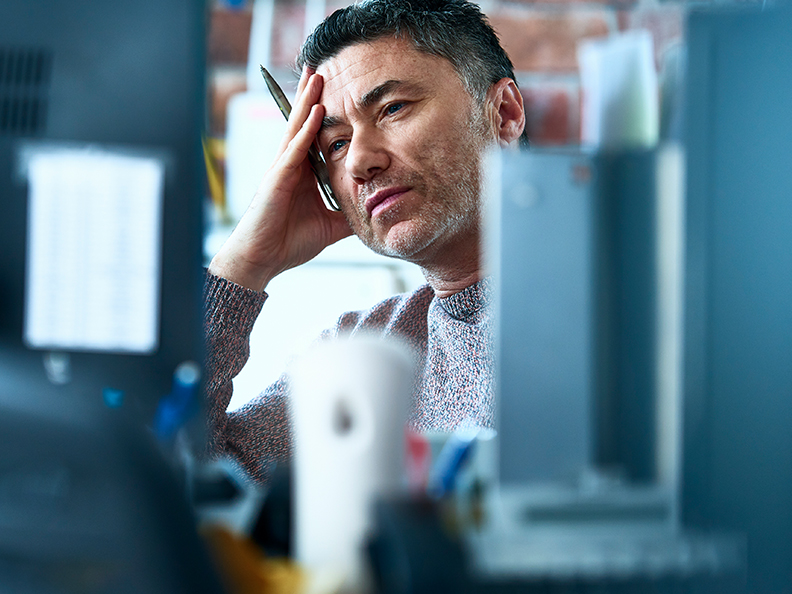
[(367, 155)]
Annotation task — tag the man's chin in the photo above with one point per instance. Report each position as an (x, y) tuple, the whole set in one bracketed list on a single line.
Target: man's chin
[(401, 241), (412, 247)]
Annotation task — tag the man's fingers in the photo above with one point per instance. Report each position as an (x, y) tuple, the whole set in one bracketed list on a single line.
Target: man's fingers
[(297, 147), (304, 76), (305, 102), (302, 108)]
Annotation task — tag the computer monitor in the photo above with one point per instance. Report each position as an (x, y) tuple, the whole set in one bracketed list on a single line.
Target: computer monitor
[(101, 191), (738, 320), (101, 112)]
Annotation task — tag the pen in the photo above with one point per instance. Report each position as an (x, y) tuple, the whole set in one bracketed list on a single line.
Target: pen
[(452, 457), (314, 156)]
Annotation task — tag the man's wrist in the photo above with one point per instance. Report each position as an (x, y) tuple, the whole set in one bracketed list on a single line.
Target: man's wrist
[(243, 274)]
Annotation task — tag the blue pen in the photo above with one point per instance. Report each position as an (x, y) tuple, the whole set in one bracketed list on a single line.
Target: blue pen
[(450, 461), (175, 408)]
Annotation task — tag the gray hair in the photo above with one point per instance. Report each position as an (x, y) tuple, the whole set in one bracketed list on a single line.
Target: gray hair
[(452, 29)]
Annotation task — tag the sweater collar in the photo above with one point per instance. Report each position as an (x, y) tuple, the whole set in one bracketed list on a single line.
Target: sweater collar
[(469, 301)]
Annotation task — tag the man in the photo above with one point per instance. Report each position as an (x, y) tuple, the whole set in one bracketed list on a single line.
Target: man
[(403, 96)]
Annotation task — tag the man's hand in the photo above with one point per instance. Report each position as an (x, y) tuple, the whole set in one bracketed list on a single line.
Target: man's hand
[(287, 223)]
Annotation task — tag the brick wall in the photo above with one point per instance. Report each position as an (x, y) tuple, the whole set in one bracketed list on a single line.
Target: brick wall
[(540, 37)]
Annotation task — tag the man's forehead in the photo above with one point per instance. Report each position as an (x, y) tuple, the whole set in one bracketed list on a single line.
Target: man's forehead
[(376, 47), (363, 70)]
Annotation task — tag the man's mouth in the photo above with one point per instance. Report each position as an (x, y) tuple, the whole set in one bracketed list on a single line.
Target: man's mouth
[(381, 199)]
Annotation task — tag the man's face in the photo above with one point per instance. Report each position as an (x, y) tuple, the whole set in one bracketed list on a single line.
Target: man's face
[(403, 141)]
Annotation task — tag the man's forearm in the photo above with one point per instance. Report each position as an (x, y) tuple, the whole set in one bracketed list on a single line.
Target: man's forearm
[(231, 311)]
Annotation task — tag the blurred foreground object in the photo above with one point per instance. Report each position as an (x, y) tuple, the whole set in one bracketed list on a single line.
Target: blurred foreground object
[(91, 506), (586, 256), (102, 186), (738, 331), (246, 570), (350, 406)]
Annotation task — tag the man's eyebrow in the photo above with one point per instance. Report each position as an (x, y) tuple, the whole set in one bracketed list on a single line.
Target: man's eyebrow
[(370, 98), (329, 122)]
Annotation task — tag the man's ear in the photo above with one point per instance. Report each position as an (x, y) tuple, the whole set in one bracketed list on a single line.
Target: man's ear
[(508, 111)]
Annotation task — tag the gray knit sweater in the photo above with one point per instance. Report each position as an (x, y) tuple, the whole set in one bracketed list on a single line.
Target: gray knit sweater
[(451, 338)]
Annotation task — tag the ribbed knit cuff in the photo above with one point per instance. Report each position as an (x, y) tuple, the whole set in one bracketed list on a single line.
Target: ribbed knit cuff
[(230, 306)]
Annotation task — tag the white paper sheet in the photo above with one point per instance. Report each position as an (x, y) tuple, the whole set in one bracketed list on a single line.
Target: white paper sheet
[(93, 261)]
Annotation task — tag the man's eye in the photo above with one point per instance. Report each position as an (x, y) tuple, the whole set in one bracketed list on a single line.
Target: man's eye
[(393, 108), (337, 145)]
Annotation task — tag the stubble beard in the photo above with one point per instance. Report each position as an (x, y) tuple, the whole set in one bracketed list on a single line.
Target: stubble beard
[(453, 212)]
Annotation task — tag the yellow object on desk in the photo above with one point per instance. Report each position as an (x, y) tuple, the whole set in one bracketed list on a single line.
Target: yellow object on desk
[(214, 156), (246, 570)]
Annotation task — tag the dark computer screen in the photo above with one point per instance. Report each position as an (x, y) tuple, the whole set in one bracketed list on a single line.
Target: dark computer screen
[(738, 319), (101, 111), (101, 191)]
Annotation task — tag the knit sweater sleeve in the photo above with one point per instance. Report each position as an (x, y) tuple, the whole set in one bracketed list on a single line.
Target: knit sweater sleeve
[(257, 434)]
